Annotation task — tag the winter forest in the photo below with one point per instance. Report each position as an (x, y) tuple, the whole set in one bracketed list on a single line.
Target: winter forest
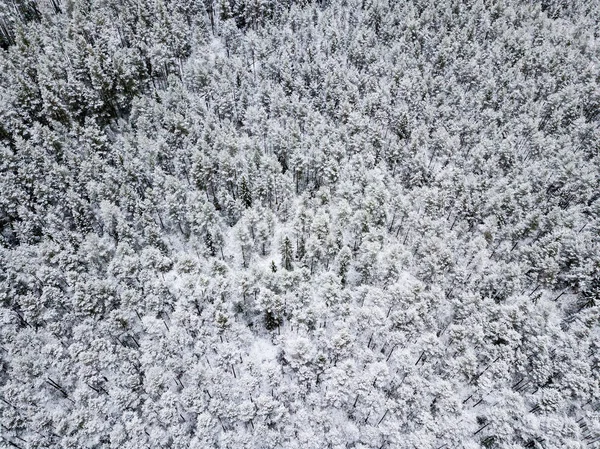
[(300, 224)]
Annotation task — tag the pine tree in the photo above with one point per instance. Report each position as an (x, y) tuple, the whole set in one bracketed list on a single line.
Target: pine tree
[(245, 194), (286, 253)]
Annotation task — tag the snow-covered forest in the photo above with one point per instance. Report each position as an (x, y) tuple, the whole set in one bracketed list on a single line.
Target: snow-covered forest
[(299, 224)]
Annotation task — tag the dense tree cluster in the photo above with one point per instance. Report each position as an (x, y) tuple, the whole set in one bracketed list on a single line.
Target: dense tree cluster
[(329, 224)]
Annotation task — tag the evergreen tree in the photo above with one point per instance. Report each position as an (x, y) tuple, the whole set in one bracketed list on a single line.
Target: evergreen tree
[(286, 253)]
